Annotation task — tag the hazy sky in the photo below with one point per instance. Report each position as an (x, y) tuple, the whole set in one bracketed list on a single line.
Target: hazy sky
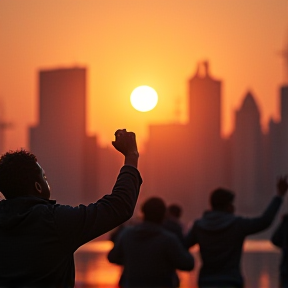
[(127, 43)]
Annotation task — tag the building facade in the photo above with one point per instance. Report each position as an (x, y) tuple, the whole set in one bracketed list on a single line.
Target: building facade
[(59, 141)]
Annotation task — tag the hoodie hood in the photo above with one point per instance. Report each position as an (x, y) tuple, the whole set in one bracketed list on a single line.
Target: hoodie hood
[(15, 210), (216, 220)]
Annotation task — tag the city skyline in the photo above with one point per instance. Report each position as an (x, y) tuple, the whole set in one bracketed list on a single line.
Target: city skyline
[(182, 163), (128, 44), (201, 66)]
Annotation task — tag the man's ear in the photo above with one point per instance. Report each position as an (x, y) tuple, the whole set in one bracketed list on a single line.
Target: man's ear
[(38, 187)]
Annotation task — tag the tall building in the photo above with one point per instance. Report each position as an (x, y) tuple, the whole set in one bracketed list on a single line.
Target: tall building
[(247, 155), (184, 162), (204, 104), (206, 145), (59, 140)]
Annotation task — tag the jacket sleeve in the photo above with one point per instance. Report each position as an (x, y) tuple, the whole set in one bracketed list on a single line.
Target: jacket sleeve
[(279, 237), (179, 256), (190, 238), (257, 224), (78, 225)]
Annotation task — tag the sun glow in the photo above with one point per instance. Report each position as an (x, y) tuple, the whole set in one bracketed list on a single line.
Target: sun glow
[(144, 98)]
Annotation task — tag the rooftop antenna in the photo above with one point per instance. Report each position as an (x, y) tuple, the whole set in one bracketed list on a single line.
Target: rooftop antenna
[(202, 69)]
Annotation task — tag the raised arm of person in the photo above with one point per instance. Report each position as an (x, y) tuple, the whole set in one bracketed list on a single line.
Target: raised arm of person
[(257, 224), (78, 225)]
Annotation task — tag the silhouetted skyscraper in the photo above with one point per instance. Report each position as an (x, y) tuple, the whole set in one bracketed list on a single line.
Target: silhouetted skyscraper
[(59, 141), (204, 104), (247, 158), (206, 145), (184, 162)]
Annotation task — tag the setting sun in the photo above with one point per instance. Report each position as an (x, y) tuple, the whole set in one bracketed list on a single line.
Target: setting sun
[(144, 98)]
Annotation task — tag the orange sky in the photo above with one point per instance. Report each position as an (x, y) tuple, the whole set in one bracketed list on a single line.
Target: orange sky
[(127, 43)]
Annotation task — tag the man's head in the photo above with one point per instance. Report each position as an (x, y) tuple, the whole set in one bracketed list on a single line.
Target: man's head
[(21, 175), (154, 210), (222, 200)]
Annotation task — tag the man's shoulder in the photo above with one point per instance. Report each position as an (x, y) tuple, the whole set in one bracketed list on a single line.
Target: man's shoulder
[(26, 203), (215, 220)]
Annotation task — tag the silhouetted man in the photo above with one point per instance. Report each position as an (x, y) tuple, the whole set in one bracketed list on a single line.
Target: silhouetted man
[(37, 236), (220, 236), (149, 253), (280, 239)]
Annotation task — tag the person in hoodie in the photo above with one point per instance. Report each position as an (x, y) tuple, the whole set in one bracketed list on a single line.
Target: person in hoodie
[(220, 235), (39, 237), (148, 252)]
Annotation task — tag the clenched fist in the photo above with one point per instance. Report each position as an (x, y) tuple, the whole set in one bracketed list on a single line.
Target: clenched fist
[(125, 142)]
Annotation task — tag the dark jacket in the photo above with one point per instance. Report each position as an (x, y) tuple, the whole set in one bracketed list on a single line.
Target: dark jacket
[(38, 237), (280, 239), (220, 236), (150, 256)]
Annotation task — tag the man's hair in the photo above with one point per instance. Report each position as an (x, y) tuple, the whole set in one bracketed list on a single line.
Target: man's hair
[(18, 171), (175, 210), (154, 210), (221, 198)]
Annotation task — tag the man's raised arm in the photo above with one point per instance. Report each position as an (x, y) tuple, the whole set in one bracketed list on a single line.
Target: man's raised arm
[(88, 222), (257, 224)]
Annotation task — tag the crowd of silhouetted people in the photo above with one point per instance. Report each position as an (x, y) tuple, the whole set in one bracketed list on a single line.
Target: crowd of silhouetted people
[(38, 237), (152, 250)]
